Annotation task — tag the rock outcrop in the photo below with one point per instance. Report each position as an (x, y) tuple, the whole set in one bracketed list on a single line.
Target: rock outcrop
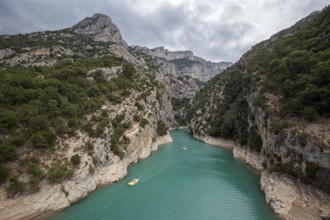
[(97, 167), (292, 199), (52, 197), (100, 28), (290, 148), (186, 62)]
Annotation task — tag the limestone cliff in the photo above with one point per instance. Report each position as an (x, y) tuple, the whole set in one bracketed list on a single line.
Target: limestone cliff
[(99, 161), (101, 28), (278, 129), (187, 63)]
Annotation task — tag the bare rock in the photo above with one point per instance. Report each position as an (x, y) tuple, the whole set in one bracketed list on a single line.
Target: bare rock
[(101, 28)]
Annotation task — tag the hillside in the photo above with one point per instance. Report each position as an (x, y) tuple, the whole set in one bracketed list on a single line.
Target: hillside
[(274, 103), (77, 107)]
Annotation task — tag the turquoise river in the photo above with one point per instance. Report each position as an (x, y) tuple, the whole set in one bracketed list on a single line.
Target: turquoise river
[(183, 180)]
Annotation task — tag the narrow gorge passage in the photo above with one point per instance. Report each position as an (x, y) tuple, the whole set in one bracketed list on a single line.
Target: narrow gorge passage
[(186, 179)]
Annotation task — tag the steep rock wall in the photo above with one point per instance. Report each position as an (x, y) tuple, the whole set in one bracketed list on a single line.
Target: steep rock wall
[(52, 197)]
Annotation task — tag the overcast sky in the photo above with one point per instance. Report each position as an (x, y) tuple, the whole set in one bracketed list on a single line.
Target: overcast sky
[(217, 30)]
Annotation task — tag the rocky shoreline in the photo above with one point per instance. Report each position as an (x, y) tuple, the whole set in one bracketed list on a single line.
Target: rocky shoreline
[(289, 198), (55, 197), (221, 142)]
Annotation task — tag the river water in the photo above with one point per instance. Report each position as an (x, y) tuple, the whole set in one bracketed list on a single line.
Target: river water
[(183, 180)]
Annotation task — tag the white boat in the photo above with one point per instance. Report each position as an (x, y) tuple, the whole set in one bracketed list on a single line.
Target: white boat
[(133, 182)]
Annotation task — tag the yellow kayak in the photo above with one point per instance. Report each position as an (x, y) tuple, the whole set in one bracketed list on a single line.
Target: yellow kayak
[(133, 182)]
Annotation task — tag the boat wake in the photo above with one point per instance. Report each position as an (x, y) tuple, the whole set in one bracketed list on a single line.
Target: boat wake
[(142, 180)]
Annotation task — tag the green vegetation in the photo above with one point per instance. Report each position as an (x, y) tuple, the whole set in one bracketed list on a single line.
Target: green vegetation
[(254, 140), (281, 85), (286, 167), (139, 106), (58, 172), (279, 126), (43, 139), (302, 139), (39, 105), (8, 120), (293, 68), (311, 169), (144, 122), (75, 160), (183, 109), (4, 173), (229, 112), (91, 169), (15, 185), (296, 68), (116, 148), (161, 128)]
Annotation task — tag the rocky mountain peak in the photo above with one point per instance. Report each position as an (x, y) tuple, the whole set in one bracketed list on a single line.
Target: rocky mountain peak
[(101, 28)]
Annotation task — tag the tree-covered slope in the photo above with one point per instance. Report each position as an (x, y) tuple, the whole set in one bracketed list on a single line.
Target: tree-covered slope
[(276, 100), (70, 105), (42, 106)]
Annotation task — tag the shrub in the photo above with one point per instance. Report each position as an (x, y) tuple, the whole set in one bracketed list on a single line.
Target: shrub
[(4, 173), (15, 185), (43, 139), (302, 139), (179, 119), (227, 129), (310, 114), (288, 167), (88, 128), (60, 129), (128, 71), (96, 160), (34, 169), (254, 141), (136, 118), (260, 101), (311, 169), (117, 120), (58, 172), (119, 130), (89, 146), (116, 148), (161, 128), (279, 126), (91, 169), (139, 106), (17, 141), (75, 160), (144, 122), (125, 93), (98, 131), (34, 183), (7, 152), (8, 120)]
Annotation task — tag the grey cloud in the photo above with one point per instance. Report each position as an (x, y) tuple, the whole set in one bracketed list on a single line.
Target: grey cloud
[(215, 30)]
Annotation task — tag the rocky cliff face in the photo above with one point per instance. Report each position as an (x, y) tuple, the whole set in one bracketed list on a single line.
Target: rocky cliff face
[(93, 36), (290, 148), (187, 63), (100, 28), (99, 163)]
